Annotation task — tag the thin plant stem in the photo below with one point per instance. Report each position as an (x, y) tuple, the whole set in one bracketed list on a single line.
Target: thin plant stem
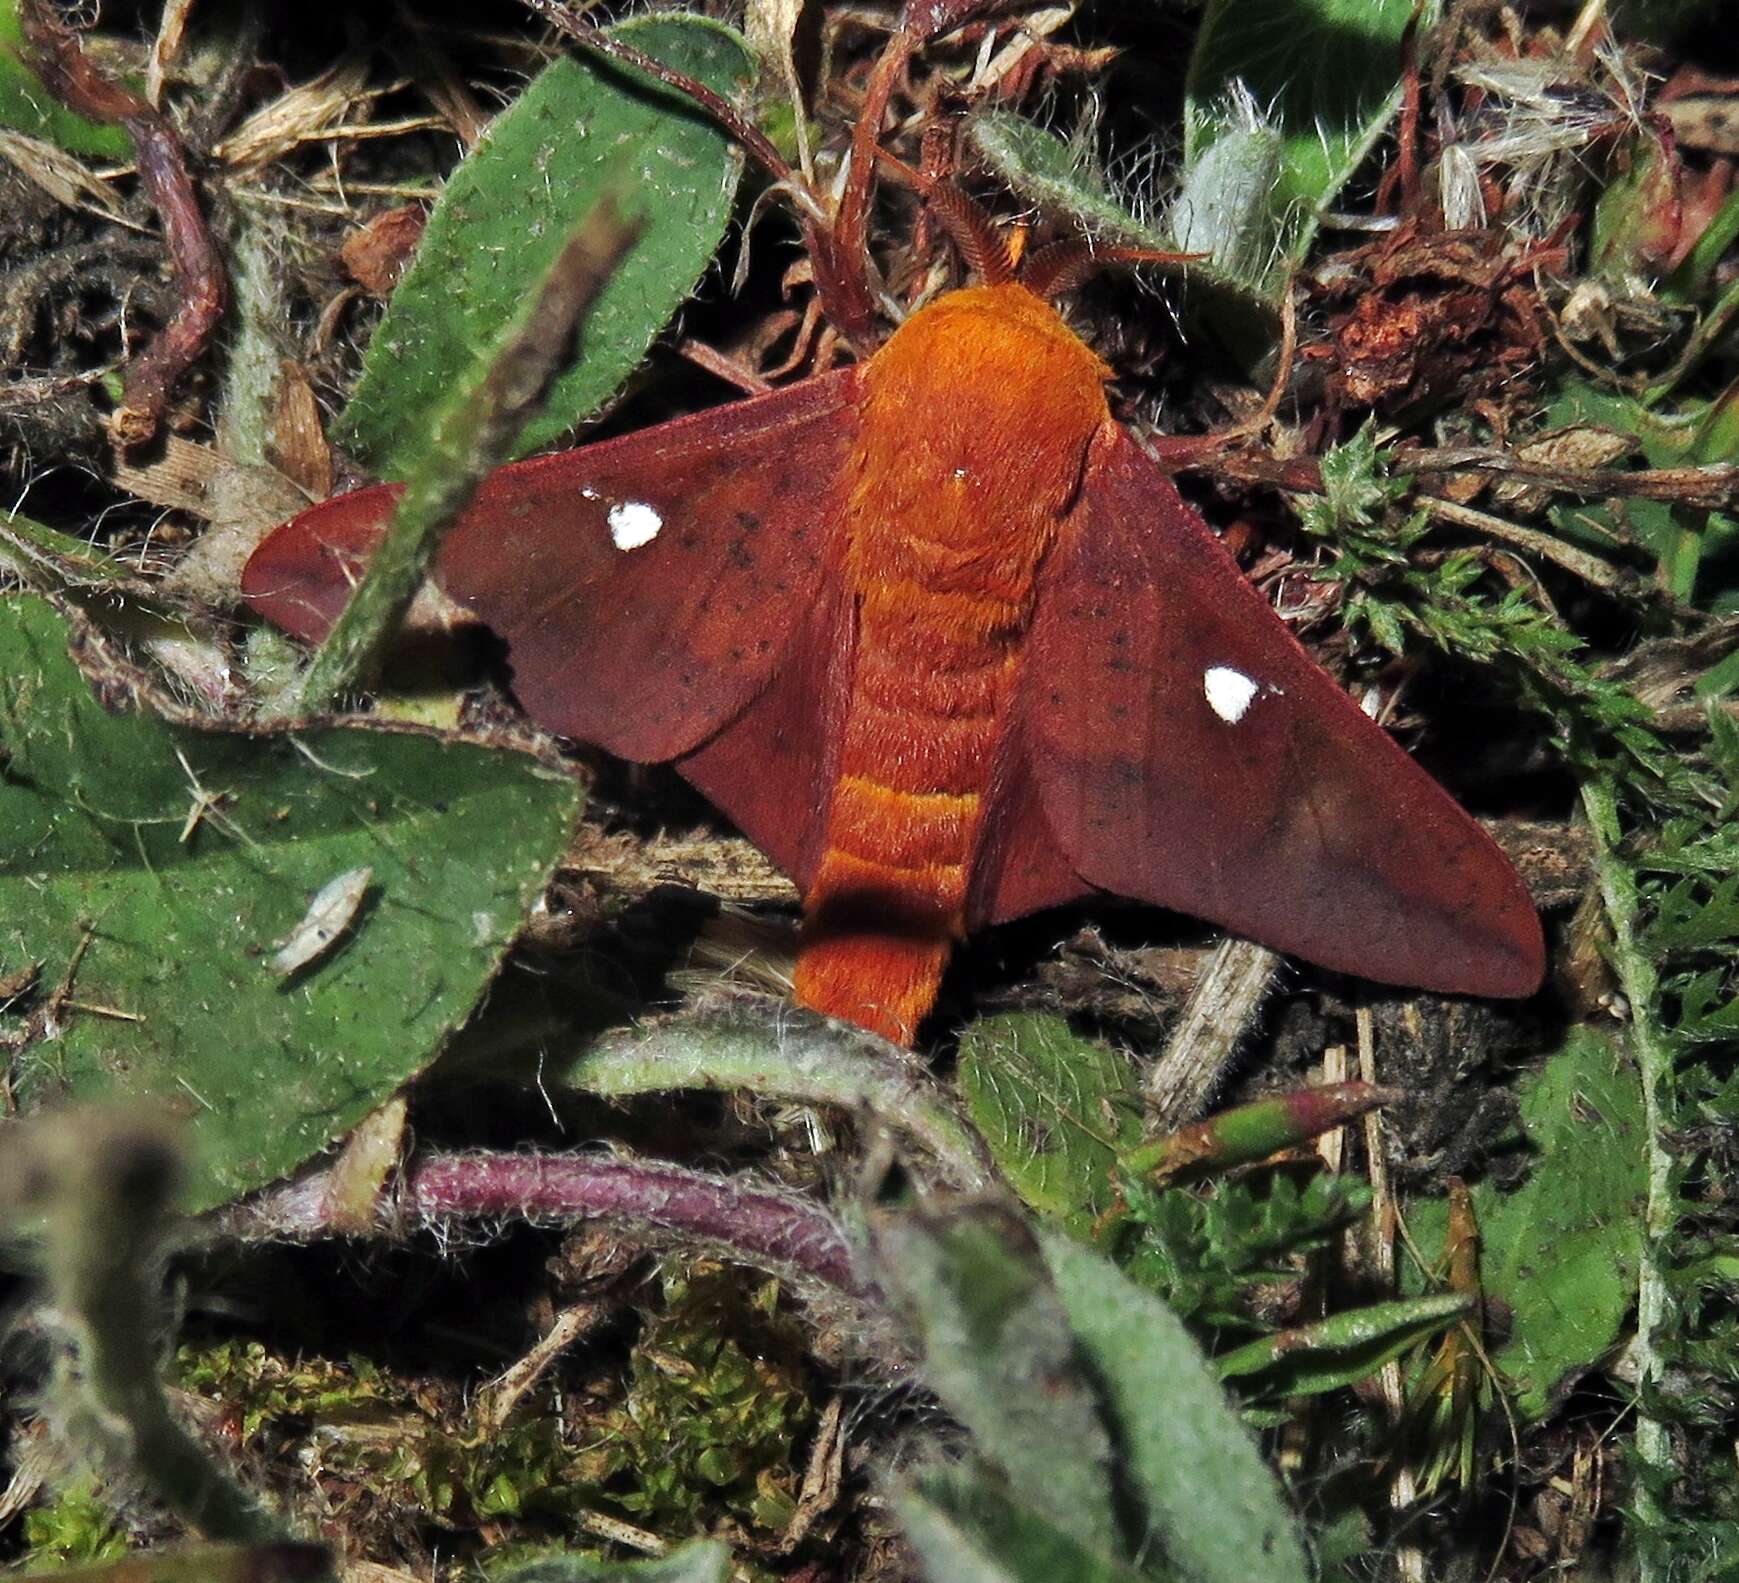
[(1640, 981), (475, 434)]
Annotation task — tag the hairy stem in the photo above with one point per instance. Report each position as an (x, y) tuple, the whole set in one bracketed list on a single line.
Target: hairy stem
[(475, 433), (758, 1226), (99, 1189), (1640, 981)]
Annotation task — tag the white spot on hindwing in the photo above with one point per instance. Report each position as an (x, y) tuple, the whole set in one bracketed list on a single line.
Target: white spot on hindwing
[(633, 523), (1229, 692)]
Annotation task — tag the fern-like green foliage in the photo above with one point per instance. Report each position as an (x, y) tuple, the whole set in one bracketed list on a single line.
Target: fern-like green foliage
[(1206, 1252), (1667, 852), (1672, 897), (1400, 591)]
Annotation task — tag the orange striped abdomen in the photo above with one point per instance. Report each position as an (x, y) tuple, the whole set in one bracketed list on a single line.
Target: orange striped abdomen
[(889, 897), (975, 423)]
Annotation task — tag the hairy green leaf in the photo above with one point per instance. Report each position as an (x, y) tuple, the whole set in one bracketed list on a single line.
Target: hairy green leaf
[(1222, 215), (1561, 1251), (1212, 1507), (152, 871), (1060, 174), (966, 1528), (1323, 76), (997, 1349), (574, 134), (1055, 1109), (801, 1059)]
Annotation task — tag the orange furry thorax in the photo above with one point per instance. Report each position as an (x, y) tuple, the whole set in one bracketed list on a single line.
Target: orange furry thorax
[(976, 419)]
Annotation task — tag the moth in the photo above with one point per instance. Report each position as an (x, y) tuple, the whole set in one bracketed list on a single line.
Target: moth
[(945, 643)]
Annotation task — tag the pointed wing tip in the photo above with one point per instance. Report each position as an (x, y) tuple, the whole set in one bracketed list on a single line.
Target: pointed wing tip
[(301, 574), (1516, 966), (278, 585), (1502, 957), (1507, 944)]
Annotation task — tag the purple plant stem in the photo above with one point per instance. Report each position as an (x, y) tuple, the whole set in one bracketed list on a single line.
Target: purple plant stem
[(757, 1226)]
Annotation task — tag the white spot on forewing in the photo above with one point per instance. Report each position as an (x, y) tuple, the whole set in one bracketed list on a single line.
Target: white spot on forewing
[(1229, 692), (633, 523), (331, 912)]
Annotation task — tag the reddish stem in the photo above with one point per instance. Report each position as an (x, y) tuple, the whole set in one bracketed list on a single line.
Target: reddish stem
[(842, 264), (1407, 134), (201, 288), (716, 105), (757, 1226)]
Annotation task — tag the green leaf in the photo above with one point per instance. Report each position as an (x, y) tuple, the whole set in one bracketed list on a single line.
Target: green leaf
[(573, 134), (46, 557), (1060, 175), (1342, 1349), (1222, 213), (151, 623), (1324, 75), (799, 1059), (966, 1529), (1225, 206), (997, 1349), (26, 106), (1055, 1109), (1688, 545), (701, 1561), (1343, 1547), (165, 924), (1562, 1250), (1211, 1502)]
